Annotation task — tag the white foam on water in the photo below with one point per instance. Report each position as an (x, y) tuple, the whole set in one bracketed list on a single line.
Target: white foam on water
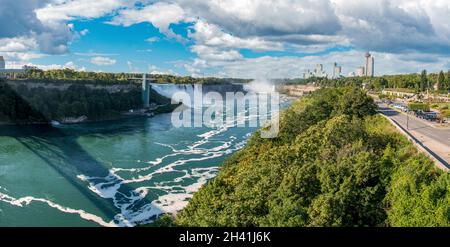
[(24, 201), (175, 195), (175, 192)]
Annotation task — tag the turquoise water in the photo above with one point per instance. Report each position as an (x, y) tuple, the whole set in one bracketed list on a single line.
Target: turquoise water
[(118, 173)]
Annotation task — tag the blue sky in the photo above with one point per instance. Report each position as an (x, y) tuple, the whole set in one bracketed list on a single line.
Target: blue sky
[(123, 44), (232, 38)]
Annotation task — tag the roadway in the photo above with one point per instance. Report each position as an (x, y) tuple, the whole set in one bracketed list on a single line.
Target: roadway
[(435, 139)]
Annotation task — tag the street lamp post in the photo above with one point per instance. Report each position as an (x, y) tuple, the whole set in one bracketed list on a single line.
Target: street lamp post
[(407, 120)]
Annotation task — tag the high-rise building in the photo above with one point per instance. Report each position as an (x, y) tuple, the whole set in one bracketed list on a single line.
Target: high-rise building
[(370, 65), (307, 74), (360, 71), (337, 70), (318, 72), (2, 63), (319, 67)]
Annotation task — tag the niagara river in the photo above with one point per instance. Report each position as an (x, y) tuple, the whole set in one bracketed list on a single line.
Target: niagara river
[(117, 173)]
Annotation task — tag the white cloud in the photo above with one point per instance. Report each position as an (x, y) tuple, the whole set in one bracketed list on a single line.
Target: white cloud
[(94, 54), (59, 10), (216, 54), (84, 32), (160, 14), (19, 57), (17, 44), (412, 33), (152, 39), (211, 35), (155, 70), (266, 18), (103, 61), (18, 19)]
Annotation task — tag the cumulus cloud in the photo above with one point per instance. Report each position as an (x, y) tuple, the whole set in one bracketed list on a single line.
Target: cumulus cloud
[(19, 20), (160, 14), (267, 18), (57, 10), (17, 44), (17, 50), (213, 44), (103, 61), (211, 35), (412, 33), (397, 26)]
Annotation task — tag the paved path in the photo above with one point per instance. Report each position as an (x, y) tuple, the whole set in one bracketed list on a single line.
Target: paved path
[(436, 140)]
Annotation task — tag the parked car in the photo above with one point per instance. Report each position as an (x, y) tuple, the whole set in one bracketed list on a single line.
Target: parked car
[(427, 115), (431, 116), (401, 107)]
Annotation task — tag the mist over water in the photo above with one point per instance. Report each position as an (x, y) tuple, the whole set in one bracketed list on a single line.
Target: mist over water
[(260, 85)]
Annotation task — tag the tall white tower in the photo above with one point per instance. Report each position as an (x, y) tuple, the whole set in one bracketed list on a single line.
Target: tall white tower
[(370, 65), (2, 63)]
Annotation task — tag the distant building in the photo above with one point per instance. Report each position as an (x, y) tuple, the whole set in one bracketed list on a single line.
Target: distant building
[(318, 72), (308, 74), (337, 70), (360, 71), (2, 63), (319, 67), (351, 74), (370, 65)]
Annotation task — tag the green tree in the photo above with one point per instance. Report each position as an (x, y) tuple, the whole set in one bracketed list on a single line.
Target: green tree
[(423, 80), (329, 167), (448, 80), (441, 81)]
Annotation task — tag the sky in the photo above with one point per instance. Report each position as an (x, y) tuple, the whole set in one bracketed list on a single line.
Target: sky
[(226, 38)]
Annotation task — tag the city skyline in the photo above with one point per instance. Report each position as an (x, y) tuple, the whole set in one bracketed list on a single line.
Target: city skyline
[(245, 39)]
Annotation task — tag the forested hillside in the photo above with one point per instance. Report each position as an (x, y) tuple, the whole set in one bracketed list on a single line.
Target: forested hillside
[(335, 163), (22, 104), (102, 78)]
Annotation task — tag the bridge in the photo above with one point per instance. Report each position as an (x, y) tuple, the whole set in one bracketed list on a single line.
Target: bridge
[(146, 88)]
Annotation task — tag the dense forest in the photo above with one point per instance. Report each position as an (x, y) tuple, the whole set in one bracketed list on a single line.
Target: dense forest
[(412, 82), (84, 77), (22, 104), (335, 163)]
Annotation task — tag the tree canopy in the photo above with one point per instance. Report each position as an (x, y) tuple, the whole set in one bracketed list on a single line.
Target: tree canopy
[(24, 104), (85, 77), (335, 163)]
